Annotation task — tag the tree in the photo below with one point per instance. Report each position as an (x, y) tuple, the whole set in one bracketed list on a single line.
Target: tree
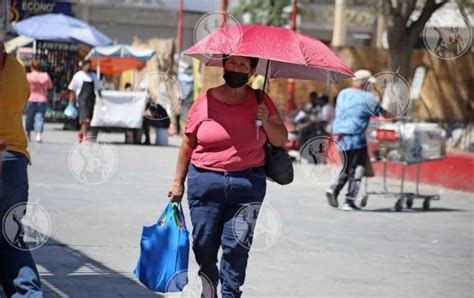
[(266, 12), (403, 31)]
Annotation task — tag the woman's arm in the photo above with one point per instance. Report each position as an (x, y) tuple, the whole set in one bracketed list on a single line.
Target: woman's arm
[(184, 158), (50, 83), (273, 125)]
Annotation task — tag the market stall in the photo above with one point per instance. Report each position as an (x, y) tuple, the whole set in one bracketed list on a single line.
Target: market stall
[(58, 42), (120, 110)]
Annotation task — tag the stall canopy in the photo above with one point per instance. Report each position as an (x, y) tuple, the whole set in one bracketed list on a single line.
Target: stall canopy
[(115, 59), (59, 27), (17, 42)]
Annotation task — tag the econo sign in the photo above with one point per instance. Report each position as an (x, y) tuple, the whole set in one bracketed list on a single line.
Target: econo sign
[(34, 7)]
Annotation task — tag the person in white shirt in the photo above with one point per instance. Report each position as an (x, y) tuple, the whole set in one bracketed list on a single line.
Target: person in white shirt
[(83, 85), (327, 113)]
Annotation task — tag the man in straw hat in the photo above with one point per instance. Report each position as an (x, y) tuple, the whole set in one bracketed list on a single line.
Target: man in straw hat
[(354, 108)]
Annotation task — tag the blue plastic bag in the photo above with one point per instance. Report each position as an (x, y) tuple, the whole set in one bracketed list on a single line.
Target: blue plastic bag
[(164, 251), (70, 111)]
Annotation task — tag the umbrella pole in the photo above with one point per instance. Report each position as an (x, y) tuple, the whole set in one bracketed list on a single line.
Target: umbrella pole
[(266, 73)]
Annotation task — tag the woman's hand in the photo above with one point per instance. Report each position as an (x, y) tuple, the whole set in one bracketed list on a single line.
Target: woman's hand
[(176, 192), (262, 113)]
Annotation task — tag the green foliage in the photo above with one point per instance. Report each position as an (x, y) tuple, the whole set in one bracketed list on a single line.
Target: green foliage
[(266, 12)]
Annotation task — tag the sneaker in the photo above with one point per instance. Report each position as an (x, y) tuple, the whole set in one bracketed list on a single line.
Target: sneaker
[(39, 138), (350, 206), (332, 198)]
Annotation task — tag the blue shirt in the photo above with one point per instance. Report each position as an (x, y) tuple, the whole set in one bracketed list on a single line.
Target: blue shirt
[(354, 107)]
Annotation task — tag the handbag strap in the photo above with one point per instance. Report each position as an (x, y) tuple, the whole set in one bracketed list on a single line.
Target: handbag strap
[(259, 95)]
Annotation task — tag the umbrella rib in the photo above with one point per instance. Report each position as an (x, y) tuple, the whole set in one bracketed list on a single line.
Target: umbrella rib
[(300, 47)]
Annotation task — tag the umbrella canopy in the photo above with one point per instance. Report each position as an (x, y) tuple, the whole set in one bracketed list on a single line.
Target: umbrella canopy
[(118, 58), (59, 27), (291, 54)]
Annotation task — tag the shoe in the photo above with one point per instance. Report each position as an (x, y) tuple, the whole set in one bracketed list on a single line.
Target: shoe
[(332, 198), (350, 206), (39, 138)]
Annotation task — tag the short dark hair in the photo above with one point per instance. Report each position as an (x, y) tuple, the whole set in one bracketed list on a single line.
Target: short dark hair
[(36, 65), (253, 60), (85, 61)]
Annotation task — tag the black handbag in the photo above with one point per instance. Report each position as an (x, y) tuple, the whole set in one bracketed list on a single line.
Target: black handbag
[(278, 166)]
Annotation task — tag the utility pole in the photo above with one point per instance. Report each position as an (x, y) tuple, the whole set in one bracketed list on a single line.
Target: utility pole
[(340, 24), (290, 104), (180, 27), (224, 7)]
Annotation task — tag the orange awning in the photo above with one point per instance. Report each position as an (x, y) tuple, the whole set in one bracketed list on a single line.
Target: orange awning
[(116, 65)]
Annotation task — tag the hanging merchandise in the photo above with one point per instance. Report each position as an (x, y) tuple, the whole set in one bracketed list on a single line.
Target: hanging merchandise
[(60, 61)]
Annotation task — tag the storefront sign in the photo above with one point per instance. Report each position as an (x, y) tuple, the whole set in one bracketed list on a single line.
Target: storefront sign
[(22, 9)]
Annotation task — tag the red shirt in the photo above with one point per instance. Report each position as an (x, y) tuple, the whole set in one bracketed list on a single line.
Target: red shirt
[(226, 134)]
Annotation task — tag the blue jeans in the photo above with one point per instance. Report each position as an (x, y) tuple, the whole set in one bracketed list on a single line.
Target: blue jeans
[(214, 199), (18, 273), (35, 115)]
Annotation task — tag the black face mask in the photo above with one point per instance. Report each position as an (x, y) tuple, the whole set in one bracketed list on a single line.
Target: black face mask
[(235, 79)]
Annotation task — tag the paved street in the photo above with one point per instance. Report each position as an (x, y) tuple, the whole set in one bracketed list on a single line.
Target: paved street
[(320, 252)]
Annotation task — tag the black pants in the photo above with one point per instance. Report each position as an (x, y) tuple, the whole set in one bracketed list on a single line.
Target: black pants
[(355, 161)]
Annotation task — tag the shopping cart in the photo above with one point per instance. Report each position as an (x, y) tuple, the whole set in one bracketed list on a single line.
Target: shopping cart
[(406, 144)]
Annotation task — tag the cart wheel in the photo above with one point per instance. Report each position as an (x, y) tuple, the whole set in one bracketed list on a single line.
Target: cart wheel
[(426, 204), (399, 205), (363, 202), (409, 203)]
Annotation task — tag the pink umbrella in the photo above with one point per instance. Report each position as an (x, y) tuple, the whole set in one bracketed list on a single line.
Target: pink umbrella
[(290, 54)]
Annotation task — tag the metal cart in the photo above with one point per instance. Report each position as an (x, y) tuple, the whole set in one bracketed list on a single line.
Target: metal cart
[(390, 142)]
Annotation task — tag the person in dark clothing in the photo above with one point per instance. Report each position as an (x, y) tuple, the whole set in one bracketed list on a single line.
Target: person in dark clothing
[(83, 85), (155, 116)]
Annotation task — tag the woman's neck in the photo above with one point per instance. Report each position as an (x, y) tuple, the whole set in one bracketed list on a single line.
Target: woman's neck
[(230, 95), (235, 93)]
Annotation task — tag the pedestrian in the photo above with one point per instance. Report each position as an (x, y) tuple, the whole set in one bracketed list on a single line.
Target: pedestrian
[(223, 161), (83, 86), (327, 113), (186, 82), (39, 83), (18, 274), (354, 108), (128, 87)]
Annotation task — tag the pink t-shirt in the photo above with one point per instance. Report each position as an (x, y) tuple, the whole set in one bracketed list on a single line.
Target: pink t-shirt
[(226, 134), (38, 82)]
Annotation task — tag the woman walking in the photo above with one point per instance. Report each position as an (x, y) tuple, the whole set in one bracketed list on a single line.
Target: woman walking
[(39, 83), (223, 160)]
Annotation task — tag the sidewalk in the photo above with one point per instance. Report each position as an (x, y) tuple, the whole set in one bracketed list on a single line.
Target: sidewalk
[(320, 252)]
